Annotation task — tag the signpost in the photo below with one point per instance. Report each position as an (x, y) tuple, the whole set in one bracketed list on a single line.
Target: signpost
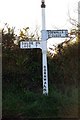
[(57, 33), (30, 44), (45, 35)]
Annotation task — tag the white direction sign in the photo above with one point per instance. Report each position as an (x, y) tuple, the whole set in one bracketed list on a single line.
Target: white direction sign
[(30, 44), (57, 33), (45, 34)]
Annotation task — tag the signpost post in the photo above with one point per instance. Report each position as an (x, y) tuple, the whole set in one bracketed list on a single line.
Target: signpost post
[(44, 50), (45, 35)]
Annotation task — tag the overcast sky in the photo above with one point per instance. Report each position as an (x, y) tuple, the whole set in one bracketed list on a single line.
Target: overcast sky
[(27, 13), (21, 13)]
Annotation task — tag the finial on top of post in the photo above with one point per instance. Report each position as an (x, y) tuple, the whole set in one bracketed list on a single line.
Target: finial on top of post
[(43, 4)]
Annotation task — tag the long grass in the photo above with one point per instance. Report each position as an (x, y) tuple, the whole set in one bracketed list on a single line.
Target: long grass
[(27, 104)]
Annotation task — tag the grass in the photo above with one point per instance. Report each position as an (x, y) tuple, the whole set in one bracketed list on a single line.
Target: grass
[(20, 103)]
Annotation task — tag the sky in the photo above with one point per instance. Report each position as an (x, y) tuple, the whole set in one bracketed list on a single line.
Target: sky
[(27, 13), (21, 13)]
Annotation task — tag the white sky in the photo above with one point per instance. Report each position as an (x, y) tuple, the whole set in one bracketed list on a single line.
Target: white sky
[(27, 13), (24, 13)]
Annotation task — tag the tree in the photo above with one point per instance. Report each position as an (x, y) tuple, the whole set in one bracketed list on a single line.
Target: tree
[(8, 37)]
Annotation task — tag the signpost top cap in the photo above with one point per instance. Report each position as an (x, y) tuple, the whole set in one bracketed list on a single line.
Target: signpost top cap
[(43, 4), (43, 1)]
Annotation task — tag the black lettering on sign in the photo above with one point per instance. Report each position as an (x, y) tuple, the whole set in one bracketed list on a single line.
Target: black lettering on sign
[(44, 69), (29, 45), (44, 90), (44, 86), (44, 82), (31, 42), (25, 44), (36, 44), (44, 72), (45, 76)]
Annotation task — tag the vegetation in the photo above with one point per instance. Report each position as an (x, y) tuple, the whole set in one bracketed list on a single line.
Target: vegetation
[(22, 82)]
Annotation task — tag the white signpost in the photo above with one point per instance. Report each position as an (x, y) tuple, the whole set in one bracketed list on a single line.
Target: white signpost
[(30, 44), (45, 35), (57, 33)]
